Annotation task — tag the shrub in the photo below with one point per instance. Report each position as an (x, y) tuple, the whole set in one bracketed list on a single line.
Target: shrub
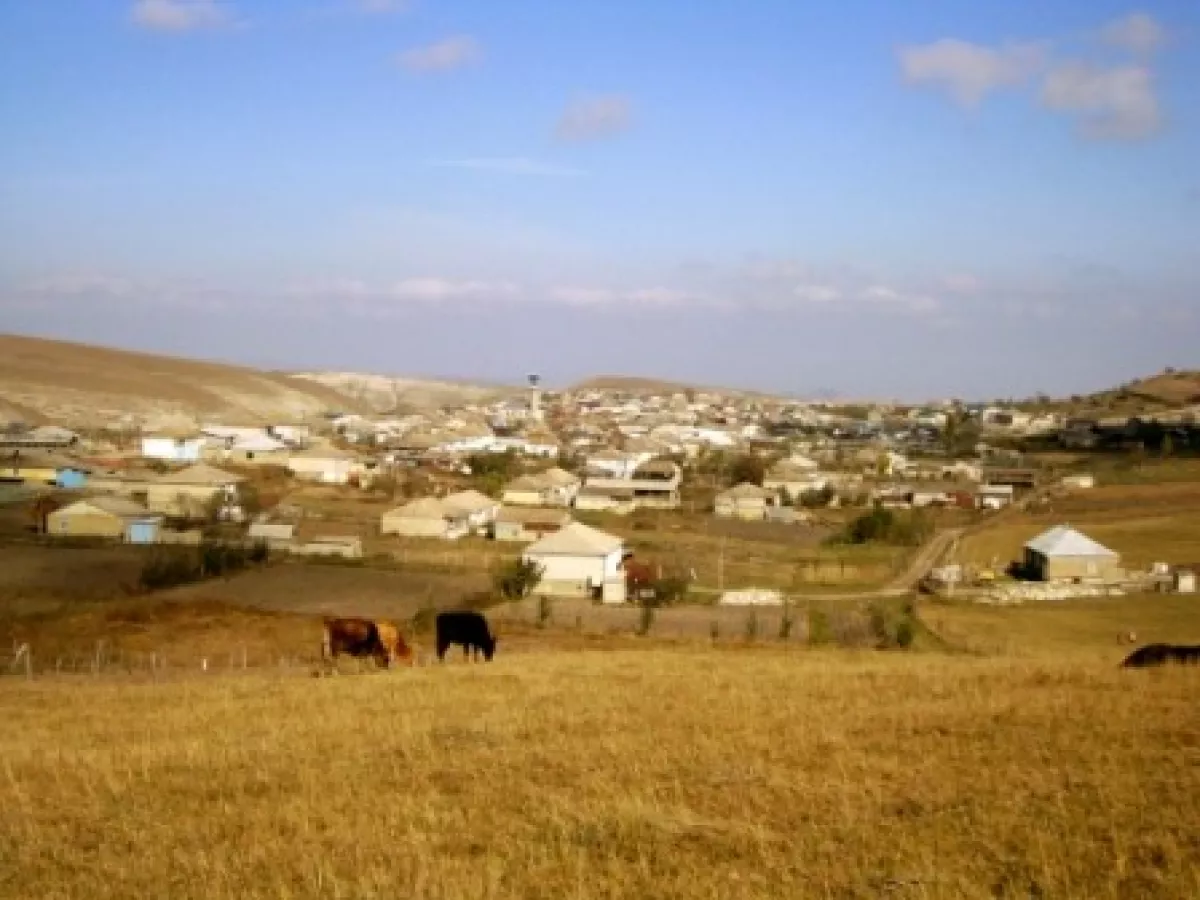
[(884, 526), (517, 579)]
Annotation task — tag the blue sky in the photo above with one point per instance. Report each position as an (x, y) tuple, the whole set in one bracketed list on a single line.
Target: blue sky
[(903, 199)]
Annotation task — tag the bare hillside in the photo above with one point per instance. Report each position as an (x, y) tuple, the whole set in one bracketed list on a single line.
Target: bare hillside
[(385, 393), (638, 385), (82, 384)]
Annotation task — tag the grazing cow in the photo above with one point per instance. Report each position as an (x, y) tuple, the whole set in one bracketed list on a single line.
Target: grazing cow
[(465, 627), (1161, 654), (381, 641)]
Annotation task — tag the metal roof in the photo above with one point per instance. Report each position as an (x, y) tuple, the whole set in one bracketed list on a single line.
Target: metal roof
[(576, 539), (1063, 540)]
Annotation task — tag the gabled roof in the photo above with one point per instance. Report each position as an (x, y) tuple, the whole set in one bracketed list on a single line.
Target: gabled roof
[(469, 501), (576, 539), (527, 483), (558, 477), (745, 491), (525, 515), (114, 506), (425, 508), (1063, 540), (200, 474)]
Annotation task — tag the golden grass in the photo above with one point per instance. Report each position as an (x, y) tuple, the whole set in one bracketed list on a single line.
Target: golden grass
[(1144, 523), (1079, 628), (627, 774)]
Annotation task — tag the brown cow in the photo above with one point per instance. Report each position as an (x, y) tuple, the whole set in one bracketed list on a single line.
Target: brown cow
[(379, 640)]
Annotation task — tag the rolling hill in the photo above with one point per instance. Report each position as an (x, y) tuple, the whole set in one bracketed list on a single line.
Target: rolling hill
[(59, 381)]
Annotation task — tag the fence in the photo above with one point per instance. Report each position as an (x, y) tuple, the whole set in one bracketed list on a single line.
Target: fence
[(105, 660)]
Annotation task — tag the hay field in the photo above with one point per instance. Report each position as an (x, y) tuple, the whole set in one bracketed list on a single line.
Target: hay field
[(657, 773), (1145, 523)]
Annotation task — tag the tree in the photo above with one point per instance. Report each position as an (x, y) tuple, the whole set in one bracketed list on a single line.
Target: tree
[(746, 467), (517, 579)]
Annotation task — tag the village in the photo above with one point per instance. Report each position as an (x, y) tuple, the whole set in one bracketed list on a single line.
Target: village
[(743, 500)]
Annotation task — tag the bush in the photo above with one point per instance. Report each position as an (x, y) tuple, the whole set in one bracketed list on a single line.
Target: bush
[(884, 526), (517, 579)]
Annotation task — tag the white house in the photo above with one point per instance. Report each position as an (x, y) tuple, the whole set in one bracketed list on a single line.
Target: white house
[(173, 446), (427, 517), (579, 561), (328, 465), (479, 509)]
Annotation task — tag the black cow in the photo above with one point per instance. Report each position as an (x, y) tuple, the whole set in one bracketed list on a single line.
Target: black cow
[(465, 627), (1161, 654)]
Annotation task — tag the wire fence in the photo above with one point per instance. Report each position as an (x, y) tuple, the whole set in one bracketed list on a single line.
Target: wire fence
[(23, 660)]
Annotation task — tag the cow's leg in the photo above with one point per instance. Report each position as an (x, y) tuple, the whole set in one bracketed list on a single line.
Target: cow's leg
[(442, 647)]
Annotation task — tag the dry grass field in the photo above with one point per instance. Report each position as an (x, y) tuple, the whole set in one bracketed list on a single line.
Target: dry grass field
[(659, 773), (1145, 523)]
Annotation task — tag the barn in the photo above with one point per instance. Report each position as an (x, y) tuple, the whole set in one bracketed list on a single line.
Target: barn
[(1064, 554)]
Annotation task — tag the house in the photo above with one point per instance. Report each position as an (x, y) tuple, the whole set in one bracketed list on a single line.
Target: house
[(1064, 554), (174, 445), (427, 517), (480, 509), (528, 490), (106, 517), (654, 484), (1017, 477), (893, 496), (521, 524), (276, 535), (190, 492), (1184, 579), (794, 480), (579, 561), (994, 496), (931, 496), (605, 499), (327, 464), (1080, 482), (744, 501), (43, 437), (563, 485), (43, 469)]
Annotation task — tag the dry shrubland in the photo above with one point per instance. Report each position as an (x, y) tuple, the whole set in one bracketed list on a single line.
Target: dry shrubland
[(677, 772)]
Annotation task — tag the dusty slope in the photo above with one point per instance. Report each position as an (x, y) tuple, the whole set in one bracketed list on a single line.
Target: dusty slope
[(83, 384), (386, 393), (637, 385)]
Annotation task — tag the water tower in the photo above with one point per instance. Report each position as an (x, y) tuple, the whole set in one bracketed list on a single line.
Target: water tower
[(535, 398)]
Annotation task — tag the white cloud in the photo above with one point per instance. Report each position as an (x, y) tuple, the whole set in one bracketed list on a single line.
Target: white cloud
[(601, 296), (817, 293), (509, 165), (437, 290), (904, 300), (590, 118), (445, 55), (1139, 33), (1110, 104), (969, 72), (179, 15)]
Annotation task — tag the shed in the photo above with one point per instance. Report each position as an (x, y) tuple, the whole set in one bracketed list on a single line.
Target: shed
[(577, 560), (1064, 554)]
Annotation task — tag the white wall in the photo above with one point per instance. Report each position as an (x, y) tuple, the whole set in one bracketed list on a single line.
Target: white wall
[(171, 449), (595, 569)]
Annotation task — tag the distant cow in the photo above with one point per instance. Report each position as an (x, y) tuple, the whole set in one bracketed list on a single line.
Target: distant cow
[(1161, 655), (379, 640), (465, 627)]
